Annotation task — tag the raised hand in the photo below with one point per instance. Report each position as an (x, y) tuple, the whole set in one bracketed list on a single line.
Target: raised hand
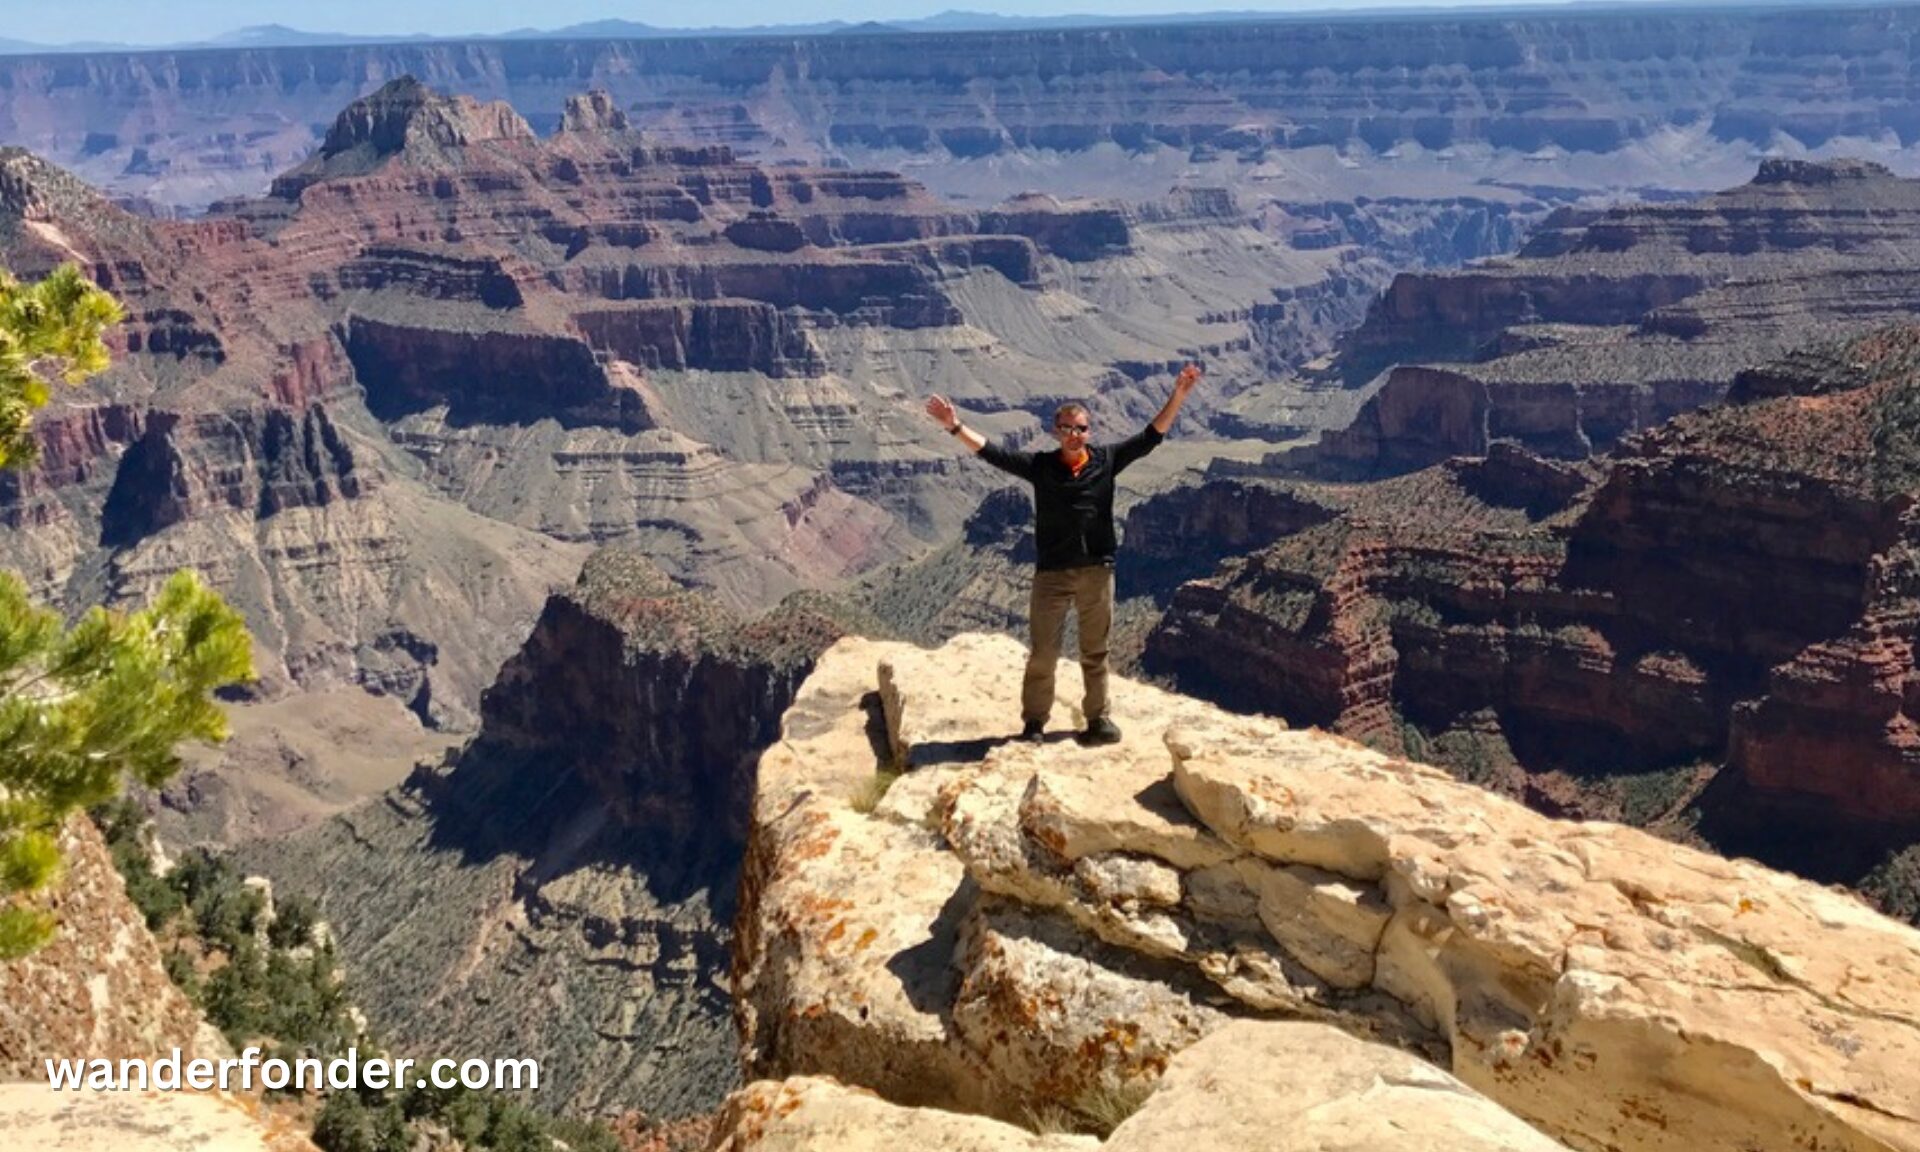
[(1189, 376), (939, 409)]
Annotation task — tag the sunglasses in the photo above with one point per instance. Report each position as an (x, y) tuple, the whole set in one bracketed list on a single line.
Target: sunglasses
[(1071, 427)]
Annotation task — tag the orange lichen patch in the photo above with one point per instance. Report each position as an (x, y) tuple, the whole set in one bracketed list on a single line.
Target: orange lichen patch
[(813, 908), (814, 842), (866, 940), (1115, 1038), (1277, 794), (1051, 837)]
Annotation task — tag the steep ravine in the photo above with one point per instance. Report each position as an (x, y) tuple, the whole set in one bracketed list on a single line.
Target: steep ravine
[(563, 887)]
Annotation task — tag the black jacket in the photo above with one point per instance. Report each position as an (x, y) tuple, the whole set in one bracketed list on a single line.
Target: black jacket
[(1073, 515)]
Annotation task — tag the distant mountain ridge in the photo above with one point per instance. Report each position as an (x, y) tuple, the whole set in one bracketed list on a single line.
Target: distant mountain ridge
[(951, 20)]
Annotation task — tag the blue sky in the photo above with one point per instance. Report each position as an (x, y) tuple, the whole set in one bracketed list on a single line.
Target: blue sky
[(173, 21)]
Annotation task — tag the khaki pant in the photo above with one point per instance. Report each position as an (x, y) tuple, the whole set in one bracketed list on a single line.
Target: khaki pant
[(1089, 591)]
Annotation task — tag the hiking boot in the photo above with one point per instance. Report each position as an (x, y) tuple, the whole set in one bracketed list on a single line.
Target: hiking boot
[(1100, 730), (1034, 731)]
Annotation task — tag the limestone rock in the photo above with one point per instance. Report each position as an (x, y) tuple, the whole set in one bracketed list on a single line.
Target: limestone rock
[(98, 988), (1252, 1086), (1064, 1017), (35, 1116), (971, 946), (1291, 1087), (808, 1112)]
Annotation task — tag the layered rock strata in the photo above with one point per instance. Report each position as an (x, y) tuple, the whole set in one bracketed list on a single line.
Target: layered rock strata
[(1586, 99), (402, 392), (1013, 925), (1732, 588), (1610, 322)]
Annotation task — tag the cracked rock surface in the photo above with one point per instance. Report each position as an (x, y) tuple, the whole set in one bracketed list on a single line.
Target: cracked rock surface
[(1283, 929)]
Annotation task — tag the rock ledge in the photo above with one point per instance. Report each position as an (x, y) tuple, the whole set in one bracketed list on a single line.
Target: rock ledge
[(1282, 920)]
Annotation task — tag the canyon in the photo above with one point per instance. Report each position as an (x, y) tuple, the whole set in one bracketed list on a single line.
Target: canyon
[(552, 412), (1706, 626), (713, 360), (565, 884)]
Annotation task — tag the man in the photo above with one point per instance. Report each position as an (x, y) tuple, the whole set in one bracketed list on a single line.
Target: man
[(1073, 532)]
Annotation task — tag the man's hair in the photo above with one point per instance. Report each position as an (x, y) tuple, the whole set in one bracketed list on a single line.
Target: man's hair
[(1071, 408)]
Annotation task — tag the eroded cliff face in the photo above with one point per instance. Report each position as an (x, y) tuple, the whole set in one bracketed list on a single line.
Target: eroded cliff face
[(98, 990), (1611, 322), (1232, 926), (563, 887), (1731, 588), (1583, 100)]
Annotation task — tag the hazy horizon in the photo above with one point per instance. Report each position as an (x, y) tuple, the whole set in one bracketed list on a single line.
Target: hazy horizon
[(140, 23)]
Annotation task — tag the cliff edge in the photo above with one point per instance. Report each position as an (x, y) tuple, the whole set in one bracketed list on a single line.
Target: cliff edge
[(1221, 927), (99, 990)]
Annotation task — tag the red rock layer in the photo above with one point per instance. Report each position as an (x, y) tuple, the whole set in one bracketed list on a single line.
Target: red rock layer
[(1736, 586)]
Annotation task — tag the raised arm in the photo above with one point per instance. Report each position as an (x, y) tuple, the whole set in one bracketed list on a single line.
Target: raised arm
[(1147, 439), (1189, 376), (1014, 463), (948, 418)]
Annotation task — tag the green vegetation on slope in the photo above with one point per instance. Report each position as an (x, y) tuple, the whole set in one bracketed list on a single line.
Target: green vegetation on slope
[(85, 706)]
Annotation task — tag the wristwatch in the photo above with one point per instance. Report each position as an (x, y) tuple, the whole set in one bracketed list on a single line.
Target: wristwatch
[(955, 430)]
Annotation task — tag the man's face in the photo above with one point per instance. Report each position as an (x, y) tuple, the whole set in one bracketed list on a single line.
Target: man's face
[(1072, 430)]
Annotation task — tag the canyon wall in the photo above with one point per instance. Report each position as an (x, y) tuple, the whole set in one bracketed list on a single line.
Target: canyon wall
[(1568, 98), (1729, 589)]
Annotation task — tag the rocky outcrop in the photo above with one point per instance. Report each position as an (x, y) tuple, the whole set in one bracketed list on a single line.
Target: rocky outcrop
[(258, 462), (594, 111), (98, 989), (1013, 926), (404, 118), (582, 851)]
